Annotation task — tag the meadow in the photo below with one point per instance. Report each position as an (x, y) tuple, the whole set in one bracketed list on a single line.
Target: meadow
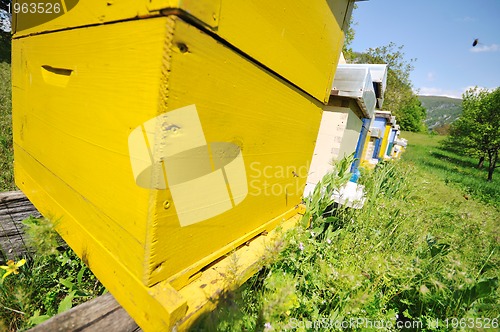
[(429, 154), (422, 254)]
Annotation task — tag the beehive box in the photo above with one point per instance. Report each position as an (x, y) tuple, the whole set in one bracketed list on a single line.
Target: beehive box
[(389, 120), (352, 99), (391, 138), (162, 135)]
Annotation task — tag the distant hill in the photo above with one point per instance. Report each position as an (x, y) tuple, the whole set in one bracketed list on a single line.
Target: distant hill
[(440, 110)]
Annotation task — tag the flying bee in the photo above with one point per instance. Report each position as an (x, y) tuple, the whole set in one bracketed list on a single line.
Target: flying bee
[(474, 43)]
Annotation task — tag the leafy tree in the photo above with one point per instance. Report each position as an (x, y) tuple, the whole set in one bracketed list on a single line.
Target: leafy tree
[(399, 97), (349, 37), (410, 117), (5, 37), (477, 131)]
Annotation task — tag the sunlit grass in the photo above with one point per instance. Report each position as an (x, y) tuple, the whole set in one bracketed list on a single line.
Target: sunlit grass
[(427, 152), (418, 251)]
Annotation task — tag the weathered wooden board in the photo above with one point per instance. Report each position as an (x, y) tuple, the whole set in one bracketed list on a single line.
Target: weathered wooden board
[(14, 207), (100, 314)]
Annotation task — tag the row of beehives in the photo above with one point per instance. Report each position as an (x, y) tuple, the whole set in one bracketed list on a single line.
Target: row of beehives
[(354, 122), (163, 135)]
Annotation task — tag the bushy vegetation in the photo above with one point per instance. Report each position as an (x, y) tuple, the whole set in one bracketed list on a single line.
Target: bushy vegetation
[(477, 132), (52, 280), (417, 255)]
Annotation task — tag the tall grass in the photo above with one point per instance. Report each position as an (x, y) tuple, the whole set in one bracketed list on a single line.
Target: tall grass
[(416, 255), (6, 148), (52, 281)]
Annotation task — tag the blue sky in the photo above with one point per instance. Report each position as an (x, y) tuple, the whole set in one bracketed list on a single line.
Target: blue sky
[(439, 34)]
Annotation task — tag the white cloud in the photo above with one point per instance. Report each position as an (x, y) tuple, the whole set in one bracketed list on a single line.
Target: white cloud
[(485, 48), (430, 91), (456, 93), (465, 19)]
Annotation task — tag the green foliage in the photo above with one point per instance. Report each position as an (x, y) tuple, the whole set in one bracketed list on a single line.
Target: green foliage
[(52, 281), (41, 235), (349, 37), (441, 129), (321, 197), (417, 251), (5, 46), (6, 145), (410, 116), (5, 36), (399, 97), (477, 131)]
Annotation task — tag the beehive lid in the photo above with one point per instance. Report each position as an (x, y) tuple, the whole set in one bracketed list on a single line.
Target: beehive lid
[(379, 76), (383, 114), (401, 141), (355, 81), (268, 32)]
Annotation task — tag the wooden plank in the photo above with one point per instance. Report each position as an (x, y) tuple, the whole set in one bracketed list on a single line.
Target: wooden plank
[(14, 207), (100, 314)]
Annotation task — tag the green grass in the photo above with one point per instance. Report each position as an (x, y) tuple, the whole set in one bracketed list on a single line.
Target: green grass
[(428, 154), (52, 280), (417, 253), (6, 149)]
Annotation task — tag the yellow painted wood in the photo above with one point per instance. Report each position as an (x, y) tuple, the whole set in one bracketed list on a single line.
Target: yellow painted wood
[(78, 13), (79, 131), (385, 140), (231, 272), (206, 11), (155, 308), (161, 307), (92, 105), (248, 107), (364, 154), (299, 40)]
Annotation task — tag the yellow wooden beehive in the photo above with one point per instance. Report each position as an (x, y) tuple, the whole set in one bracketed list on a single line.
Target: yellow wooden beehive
[(164, 134)]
